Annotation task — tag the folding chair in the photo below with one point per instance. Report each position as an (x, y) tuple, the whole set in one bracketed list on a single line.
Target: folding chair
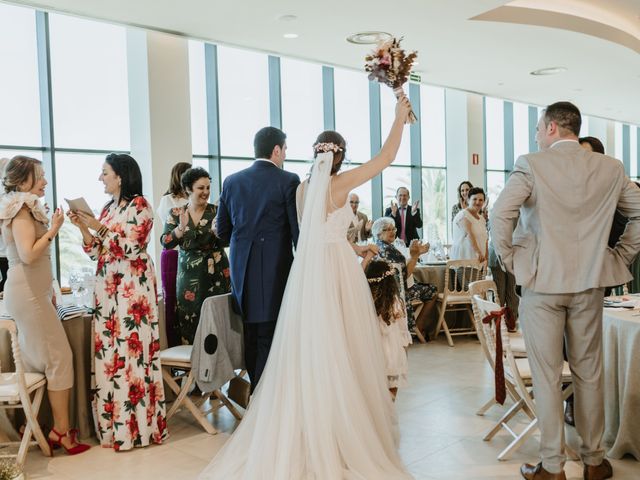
[(15, 394), (179, 358), (517, 373), (456, 297)]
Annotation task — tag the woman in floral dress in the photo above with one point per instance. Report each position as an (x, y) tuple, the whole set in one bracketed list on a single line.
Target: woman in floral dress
[(128, 400), (203, 267)]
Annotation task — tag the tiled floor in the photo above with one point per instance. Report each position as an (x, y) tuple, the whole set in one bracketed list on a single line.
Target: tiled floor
[(441, 435)]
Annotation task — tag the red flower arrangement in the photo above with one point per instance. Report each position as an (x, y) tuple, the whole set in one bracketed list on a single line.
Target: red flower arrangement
[(391, 65)]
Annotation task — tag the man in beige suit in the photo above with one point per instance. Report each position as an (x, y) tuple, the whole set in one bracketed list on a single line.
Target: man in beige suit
[(360, 228), (565, 197)]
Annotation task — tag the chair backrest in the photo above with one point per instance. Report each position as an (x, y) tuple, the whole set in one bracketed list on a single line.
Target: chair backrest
[(483, 292), (460, 273), (10, 325)]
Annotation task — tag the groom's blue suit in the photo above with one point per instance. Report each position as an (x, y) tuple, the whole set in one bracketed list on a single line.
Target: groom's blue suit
[(257, 216)]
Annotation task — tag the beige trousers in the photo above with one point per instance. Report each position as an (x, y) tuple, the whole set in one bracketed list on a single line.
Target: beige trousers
[(546, 320)]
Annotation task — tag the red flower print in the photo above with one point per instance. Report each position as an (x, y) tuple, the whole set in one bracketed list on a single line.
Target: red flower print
[(142, 230), (154, 348), (118, 229), (116, 250), (110, 369), (162, 424), (132, 423), (140, 202), (98, 344), (167, 238), (101, 261), (138, 266), (135, 345), (189, 296), (136, 391), (112, 283), (113, 326), (128, 289), (139, 309)]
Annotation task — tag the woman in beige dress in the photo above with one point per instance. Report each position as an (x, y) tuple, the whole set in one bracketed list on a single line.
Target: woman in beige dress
[(28, 291)]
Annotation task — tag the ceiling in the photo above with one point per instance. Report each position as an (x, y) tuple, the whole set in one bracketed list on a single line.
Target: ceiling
[(484, 46)]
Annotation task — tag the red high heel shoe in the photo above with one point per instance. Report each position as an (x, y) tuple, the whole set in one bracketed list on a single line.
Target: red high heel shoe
[(72, 434)]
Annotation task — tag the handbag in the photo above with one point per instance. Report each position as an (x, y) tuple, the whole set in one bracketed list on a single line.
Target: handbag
[(239, 391)]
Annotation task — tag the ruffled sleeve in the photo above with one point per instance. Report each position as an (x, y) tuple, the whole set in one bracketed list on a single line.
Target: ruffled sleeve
[(12, 202)]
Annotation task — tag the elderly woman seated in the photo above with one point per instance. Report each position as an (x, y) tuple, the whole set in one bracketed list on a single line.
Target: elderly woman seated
[(384, 234)]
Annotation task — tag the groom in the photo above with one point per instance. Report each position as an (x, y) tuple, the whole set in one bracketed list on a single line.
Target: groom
[(257, 215)]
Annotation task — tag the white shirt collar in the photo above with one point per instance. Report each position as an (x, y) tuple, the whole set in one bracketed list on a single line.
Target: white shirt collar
[(561, 141)]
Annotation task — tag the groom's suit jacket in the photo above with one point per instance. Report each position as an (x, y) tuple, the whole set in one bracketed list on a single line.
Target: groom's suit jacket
[(257, 216), (564, 199)]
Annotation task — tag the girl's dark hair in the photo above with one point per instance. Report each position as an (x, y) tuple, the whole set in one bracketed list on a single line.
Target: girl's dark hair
[(384, 291), (466, 182), (175, 184), (128, 170), (476, 191), (19, 170), (191, 176), (329, 136), (596, 145)]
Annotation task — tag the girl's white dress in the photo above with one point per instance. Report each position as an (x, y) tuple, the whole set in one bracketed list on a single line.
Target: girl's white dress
[(395, 339)]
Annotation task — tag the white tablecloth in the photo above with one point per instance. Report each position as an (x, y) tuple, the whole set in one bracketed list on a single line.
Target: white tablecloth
[(621, 342)]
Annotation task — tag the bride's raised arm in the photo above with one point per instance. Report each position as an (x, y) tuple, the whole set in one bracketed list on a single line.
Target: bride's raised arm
[(347, 181)]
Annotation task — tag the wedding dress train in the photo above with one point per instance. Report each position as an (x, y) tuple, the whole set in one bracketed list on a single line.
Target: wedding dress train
[(322, 410)]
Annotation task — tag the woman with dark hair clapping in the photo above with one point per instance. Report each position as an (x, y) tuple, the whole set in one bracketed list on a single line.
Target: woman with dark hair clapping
[(128, 404), (203, 267)]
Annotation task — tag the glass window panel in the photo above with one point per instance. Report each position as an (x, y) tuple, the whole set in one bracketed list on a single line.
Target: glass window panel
[(634, 151), (387, 114), (432, 113), (301, 169), (302, 106), (520, 130), (584, 127), (89, 82), (77, 176), (434, 204), (243, 85), (618, 143), (392, 179), (201, 162), (351, 92), (364, 192), (494, 132), (198, 98), (19, 94), (37, 154), (495, 184), (229, 167)]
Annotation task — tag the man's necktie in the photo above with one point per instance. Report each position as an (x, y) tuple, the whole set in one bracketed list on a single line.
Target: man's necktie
[(403, 234)]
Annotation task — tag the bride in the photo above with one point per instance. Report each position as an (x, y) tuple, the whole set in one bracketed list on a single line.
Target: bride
[(322, 410)]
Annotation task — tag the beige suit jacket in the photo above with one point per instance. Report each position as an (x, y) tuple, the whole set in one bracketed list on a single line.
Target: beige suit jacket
[(565, 198), (357, 231)]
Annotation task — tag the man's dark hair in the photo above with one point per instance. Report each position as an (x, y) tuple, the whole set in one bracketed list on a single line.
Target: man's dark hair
[(566, 115), (596, 145), (475, 191), (266, 140), (402, 188)]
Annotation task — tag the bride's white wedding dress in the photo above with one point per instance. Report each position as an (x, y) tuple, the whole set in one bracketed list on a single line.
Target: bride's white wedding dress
[(322, 410)]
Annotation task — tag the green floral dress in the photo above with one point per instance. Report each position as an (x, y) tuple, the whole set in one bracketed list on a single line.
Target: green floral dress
[(203, 267)]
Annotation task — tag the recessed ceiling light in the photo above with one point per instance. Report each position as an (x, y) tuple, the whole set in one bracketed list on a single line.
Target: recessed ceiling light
[(290, 35), (288, 18), (549, 71), (365, 38)]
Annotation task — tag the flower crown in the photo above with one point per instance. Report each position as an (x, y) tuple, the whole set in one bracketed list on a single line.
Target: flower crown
[(326, 147), (381, 277)]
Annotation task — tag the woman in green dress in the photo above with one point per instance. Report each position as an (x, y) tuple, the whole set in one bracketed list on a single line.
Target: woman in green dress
[(203, 266)]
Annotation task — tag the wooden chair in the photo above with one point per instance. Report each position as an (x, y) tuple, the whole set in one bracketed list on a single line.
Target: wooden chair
[(16, 389), (517, 373), (179, 359), (456, 297)]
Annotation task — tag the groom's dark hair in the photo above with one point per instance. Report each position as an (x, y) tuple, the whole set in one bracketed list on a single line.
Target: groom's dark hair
[(266, 140), (566, 115)]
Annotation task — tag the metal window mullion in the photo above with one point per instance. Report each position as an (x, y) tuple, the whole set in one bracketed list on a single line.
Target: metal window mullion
[(275, 96), (415, 136), (509, 149), (626, 148), (46, 120), (213, 117), (328, 98), (533, 124), (375, 126)]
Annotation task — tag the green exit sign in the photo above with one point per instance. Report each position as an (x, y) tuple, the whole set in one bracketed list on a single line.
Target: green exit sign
[(415, 77)]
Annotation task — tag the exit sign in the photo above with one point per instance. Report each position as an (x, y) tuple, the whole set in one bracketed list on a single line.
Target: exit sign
[(415, 77)]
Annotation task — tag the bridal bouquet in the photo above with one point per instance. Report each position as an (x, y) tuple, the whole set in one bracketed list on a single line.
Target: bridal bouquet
[(391, 65)]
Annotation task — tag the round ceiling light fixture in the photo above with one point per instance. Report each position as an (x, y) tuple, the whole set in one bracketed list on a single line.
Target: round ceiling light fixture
[(548, 71), (288, 18), (290, 35), (366, 38)]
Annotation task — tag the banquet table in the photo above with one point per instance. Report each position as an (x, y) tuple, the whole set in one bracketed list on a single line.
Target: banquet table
[(79, 331), (621, 358)]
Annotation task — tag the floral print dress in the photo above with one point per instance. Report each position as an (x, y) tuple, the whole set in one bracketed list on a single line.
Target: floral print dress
[(128, 395), (203, 267)]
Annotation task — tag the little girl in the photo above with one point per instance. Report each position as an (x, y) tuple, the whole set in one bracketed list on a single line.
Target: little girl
[(393, 320)]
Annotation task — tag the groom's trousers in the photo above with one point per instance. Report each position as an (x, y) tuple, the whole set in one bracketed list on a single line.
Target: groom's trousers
[(257, 343), (546, 321)]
